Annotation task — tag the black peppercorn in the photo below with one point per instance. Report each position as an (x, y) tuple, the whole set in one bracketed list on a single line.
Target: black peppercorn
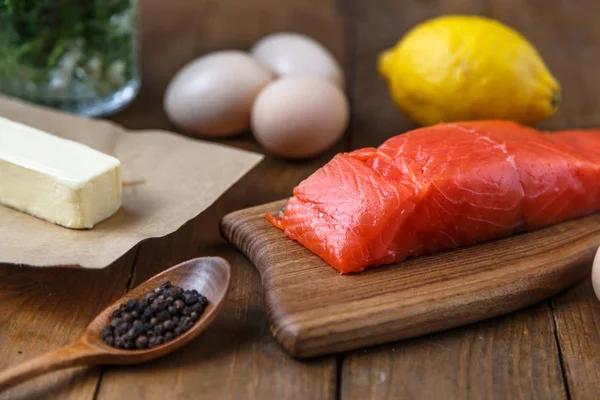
[(179, 304), (203, 301), (163, 314), (188, 297), (139, 329), (147, 314), (107, 332), (127, 317), (131, 304), (141, 342), (158, 305), (122, 328), (141, 305), (168, 325), (130, 334)]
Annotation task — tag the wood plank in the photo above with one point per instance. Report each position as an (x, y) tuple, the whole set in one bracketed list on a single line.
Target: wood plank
[(568, 38), (43, 309), (237, 356), (503, 358), (418, 296), (577, 315), (513, 357)]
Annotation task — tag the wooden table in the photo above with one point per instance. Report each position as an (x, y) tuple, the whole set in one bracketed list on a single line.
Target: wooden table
[(549, 351)]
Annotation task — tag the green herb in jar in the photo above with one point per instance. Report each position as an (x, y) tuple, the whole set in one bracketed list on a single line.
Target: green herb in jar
[(65, 49)]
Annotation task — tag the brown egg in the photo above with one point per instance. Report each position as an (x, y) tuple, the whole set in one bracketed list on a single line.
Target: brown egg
[(299, 117), (596, 274), (293, 54), (213, 94)]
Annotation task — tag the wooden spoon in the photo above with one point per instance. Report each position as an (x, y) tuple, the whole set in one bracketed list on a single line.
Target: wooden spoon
[(210, 276)]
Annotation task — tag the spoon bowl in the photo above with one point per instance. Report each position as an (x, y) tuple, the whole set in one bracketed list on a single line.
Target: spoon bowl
[(210, 276)]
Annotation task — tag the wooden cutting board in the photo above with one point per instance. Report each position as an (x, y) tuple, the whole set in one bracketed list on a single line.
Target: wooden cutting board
[(313, 310)]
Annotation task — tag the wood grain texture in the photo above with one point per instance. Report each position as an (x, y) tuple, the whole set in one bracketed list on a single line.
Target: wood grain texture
[(567, 38), (210, 276), (514, 357), (44, 309), (577, 315), (313, 310), (237, 356)]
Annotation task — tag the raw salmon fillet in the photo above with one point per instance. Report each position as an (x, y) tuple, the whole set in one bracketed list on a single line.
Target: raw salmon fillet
[(442, 187)]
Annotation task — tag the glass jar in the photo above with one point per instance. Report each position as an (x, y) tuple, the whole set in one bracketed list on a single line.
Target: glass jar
[(76, 55)]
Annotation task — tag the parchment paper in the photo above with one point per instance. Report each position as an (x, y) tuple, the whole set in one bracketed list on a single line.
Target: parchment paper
[(167, 180)]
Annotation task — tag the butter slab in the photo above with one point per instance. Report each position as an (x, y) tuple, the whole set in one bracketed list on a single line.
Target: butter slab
[(58, 180)]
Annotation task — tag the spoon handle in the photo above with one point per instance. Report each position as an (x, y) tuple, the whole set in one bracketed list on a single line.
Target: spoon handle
[(72, 355)]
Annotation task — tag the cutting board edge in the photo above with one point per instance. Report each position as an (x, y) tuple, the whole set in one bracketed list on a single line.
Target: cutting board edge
[(299, 342), (302, 341)]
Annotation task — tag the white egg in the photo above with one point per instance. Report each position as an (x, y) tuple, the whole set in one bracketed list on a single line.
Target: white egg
[(293, 54), (213, 94), (596, 274), (299, 117)]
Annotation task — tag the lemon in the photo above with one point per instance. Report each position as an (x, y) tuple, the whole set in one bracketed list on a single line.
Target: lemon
[(457, 68)]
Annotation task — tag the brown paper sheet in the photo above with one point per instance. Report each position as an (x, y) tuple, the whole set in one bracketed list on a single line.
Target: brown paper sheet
[(167, 180)]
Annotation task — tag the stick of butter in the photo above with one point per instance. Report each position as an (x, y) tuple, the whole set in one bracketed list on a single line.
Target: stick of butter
[(55, 179)]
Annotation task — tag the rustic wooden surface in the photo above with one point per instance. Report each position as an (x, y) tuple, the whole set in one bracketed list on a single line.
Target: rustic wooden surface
[(210, 276), (548, 351), (419, 296)]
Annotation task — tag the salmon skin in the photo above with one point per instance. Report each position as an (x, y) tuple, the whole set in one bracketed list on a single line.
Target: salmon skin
[(439, 188)]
